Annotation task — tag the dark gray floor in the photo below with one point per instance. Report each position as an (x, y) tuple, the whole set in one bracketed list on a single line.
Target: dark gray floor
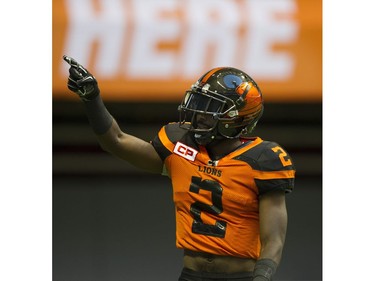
[(116, 229)]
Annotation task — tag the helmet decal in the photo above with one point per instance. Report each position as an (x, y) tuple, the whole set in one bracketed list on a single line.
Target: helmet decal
[(232, 81)]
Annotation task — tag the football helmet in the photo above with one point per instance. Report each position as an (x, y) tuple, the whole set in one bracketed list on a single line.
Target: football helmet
[(224, 103)]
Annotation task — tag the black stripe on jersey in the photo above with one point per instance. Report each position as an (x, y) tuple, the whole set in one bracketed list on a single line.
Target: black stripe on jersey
[(160, 148), (175, 133), (264, 186)]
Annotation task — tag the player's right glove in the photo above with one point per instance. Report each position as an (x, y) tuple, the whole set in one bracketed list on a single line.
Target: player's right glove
[(81, 81)]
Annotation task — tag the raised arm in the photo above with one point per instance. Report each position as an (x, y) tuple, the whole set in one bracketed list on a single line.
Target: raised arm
[(111, 138), (273, 226)]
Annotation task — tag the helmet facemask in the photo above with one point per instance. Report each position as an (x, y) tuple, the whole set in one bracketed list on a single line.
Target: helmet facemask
[(202, 111)]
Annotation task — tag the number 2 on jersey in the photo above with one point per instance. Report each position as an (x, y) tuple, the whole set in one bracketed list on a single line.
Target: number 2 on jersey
[(218, 229), (282, 155)]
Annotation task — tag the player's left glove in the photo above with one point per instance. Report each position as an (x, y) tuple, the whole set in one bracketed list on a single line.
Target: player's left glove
[(81, 81)]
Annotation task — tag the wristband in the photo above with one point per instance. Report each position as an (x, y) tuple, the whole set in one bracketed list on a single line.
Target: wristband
[(99, 117), (264, 269)]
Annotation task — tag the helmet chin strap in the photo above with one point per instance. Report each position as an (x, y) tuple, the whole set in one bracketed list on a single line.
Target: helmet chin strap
[(205, 138), (209, 137)]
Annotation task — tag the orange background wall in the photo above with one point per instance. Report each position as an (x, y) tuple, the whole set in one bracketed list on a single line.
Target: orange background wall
[(144, 50)]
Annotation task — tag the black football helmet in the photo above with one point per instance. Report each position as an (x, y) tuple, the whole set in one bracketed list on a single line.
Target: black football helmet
[(224, 103)]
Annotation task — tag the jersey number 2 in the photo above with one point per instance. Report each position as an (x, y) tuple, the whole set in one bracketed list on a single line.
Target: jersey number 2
[(282, 155), (218, 229)]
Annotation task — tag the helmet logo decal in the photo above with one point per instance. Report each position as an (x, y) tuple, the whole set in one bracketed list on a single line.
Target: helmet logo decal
[(232, 81)]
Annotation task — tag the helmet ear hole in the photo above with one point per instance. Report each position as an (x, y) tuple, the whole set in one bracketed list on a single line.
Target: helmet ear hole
[(232, 128)]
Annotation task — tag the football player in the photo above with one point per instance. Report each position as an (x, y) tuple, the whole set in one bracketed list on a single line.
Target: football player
[(228, 187)]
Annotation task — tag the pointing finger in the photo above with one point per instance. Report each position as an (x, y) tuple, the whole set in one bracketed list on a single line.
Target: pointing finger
[(71, 61)]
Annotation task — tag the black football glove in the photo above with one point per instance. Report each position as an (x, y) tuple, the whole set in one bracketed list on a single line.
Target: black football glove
[(80, 81)]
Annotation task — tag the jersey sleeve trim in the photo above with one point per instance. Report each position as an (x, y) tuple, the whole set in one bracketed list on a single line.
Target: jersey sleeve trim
[(266, 175)]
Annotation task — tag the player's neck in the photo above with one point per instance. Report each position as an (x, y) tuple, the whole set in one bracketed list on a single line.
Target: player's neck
[(219, 149)]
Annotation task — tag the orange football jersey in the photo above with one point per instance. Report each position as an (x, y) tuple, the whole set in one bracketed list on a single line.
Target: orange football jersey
[(216, 202)]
